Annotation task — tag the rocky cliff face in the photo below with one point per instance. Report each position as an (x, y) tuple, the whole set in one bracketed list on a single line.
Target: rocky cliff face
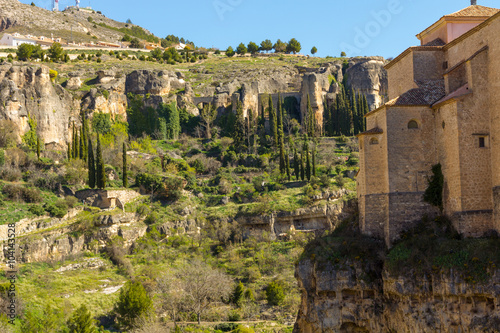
[(368, 76), (346, 299), (29, 90)]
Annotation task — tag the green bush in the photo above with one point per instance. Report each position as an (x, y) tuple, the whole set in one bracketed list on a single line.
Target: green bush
[(234, 316), (37, 210), (133, 304), (58, 209), (226, 327), (274, 294)]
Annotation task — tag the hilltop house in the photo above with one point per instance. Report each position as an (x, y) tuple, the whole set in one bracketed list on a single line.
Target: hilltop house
[(443, 108), (16, 39)]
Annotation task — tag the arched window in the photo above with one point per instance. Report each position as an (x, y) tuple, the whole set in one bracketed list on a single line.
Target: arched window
[(374, 141), (413, 124)]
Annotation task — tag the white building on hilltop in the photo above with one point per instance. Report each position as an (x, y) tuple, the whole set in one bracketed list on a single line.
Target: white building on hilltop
[(16, 40)]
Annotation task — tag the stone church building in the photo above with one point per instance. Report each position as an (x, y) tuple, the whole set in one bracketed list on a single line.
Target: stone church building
[(444, 107)]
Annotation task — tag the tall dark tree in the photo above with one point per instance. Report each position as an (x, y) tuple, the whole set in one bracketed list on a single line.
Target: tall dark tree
[(287, 162), (308, 159), (273, 122), (100, 169), (281, 135), (311, 121), (75, 144), (70, 152), (91, 164), (302, 167), (124, 166), (81, 149), (239, 128), (296, 164)]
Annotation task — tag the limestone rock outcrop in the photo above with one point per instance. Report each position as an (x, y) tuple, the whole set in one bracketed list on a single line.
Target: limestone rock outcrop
[(368, 77), (28, 91), (154, 83), (347, 299)]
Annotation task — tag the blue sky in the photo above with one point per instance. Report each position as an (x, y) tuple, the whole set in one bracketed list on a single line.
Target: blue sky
[(359, 27)]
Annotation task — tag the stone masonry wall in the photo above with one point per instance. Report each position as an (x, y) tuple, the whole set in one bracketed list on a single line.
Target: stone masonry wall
[(401, 77)]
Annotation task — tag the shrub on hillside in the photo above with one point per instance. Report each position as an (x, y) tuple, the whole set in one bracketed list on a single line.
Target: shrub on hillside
[(10, 174), (12, 191), (37, 210), (31, 195), (274, 293), (58, 209)]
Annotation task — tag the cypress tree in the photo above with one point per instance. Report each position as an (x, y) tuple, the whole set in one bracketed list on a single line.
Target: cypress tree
[(69, 151), (81, 149), (100, 170), (239, 129), (296, 164), (288, 166), (38, 147), (281, 136), (311, 122), (91, 165), (302, 169), (75, 143), (273, 122), (308, 159), (314, 161), (124, 171)]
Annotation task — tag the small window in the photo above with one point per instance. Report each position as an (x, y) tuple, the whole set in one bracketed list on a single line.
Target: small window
[(412, 124), (482, 142), (374, 141)]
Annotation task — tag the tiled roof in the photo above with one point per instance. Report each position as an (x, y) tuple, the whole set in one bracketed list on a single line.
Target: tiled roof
[(427, 93), (463, 90), (436, 42), (375, 130), (475, 10)]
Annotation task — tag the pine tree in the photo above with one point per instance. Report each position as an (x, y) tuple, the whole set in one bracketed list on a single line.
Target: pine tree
[(100, 169), (296, 164), (81, 321), (124, 166), (91, 165), (38, 147)]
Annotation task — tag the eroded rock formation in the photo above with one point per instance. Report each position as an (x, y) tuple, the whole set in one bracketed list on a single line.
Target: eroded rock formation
[(349, 299)]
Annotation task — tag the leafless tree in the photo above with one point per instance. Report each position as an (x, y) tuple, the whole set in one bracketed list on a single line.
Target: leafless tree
[(203, 286), (170, 295)]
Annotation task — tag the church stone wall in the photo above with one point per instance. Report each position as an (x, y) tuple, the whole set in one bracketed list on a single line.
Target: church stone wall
[(428, 65), (401, 78)]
